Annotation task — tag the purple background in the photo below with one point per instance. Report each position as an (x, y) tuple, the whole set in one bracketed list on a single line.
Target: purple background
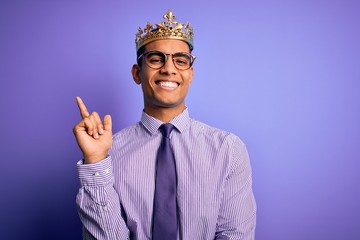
[(283, 75)]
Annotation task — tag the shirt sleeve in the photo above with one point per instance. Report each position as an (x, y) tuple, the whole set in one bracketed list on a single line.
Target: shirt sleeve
[(237, 215), (98, 203)]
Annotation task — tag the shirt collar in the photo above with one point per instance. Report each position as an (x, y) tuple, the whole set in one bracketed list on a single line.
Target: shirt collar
[(181, 122)]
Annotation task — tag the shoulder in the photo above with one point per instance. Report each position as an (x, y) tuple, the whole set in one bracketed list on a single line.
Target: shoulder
[(216, 138), (217, 134), (127, 132), (224, 143)]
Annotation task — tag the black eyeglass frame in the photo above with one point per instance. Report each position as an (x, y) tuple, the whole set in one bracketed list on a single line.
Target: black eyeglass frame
[(191, 56)]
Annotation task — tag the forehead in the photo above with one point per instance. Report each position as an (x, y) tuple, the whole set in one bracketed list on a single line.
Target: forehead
[(168, 46)]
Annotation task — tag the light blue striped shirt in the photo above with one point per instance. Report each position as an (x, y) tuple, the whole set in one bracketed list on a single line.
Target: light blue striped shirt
[(214, 191)]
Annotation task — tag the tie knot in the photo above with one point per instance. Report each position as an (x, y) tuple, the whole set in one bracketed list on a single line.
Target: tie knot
[(166, 129)]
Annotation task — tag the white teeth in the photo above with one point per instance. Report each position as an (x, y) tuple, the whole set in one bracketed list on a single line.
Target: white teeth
[(168, 84)]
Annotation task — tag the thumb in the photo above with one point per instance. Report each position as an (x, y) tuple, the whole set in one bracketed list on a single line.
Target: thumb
[(108, 123)]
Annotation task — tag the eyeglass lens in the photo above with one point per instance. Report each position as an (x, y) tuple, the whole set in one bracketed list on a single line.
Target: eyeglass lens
[(157, 60)]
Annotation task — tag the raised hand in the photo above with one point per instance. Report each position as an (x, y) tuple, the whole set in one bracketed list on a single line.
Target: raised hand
[(93, 137)]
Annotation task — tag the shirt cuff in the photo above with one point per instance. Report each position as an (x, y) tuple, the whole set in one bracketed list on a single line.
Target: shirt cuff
[(95, 174)]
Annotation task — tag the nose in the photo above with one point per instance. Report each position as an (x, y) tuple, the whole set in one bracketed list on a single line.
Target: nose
[(169, 66)]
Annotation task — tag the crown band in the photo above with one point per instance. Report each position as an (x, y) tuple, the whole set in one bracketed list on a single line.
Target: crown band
[(167, 29)]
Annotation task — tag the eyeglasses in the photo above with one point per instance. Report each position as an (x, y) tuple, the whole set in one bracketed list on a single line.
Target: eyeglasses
[(157, 59)]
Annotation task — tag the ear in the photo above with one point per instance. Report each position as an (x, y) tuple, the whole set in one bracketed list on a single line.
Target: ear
[(135, 71)]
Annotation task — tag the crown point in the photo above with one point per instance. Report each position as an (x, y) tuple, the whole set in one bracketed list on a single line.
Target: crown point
[(169, 16), (148, 27)]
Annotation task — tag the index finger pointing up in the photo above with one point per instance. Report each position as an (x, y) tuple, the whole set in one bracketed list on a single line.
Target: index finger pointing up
[(83, 110)]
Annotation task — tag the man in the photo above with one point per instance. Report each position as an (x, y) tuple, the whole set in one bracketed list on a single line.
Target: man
[(207, 181)]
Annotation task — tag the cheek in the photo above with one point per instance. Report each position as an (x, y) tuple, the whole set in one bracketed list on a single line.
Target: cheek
[(189, 75), (144, 75), (146, 80), (187, 78)]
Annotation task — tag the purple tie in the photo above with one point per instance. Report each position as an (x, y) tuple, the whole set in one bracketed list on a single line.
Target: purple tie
[(165, 214)]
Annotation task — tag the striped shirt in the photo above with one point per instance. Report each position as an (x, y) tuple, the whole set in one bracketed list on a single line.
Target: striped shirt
[(214, 184)]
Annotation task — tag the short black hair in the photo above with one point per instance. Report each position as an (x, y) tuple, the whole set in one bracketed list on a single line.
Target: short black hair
[(138, 53)]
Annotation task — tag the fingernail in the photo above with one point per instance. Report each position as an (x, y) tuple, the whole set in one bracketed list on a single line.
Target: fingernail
[(96, 135), (101, 130)]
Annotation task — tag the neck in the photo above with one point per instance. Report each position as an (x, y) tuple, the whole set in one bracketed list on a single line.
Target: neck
[(164, 114)]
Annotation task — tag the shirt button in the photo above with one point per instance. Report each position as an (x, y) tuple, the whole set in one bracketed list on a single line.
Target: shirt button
[(106, 170), (96, 174)]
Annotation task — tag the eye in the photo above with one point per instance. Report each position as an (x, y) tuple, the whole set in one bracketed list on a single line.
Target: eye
[(182, 60), (155, 58)]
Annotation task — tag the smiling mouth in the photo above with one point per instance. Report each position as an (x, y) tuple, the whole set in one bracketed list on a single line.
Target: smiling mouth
[(167, 84)]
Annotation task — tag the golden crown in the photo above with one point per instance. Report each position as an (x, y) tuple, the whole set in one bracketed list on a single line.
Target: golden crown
[(168, 29)]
